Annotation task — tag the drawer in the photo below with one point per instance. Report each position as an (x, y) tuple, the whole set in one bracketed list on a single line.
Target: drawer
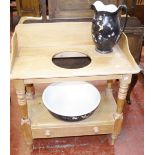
[(71, 131)]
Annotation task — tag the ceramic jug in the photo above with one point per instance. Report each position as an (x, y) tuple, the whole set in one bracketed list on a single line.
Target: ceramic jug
[(106, 29)]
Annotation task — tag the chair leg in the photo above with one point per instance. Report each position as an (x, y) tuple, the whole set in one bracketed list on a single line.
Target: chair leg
[(11, 20), (132, 85)]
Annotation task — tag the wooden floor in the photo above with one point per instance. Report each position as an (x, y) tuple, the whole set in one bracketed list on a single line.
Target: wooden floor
[(130, 142)]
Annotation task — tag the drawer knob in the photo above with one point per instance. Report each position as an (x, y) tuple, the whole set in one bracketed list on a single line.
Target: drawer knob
[(47, 133), (96, 129)]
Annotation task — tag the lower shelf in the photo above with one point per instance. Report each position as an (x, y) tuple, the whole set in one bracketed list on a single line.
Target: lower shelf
[(44, 125)]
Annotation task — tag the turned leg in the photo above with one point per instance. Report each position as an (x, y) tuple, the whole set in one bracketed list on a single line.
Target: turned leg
[(132, 85), (25, 122), (30, 91), (118, 116), (109, 84)]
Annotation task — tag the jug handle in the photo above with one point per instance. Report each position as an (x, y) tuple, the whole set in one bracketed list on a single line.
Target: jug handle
[(121, 7)]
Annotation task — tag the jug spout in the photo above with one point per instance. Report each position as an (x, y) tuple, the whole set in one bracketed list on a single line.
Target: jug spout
[(98, 6)]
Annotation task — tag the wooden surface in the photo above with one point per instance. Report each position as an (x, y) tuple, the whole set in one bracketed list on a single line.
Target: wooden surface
[(14, 50), (81, 8), (28, 7), (135, 33), (73, 8), (67, 8), (22, 102), (42, 120), (101, 143), (118, 116), (21, 97), (40, 42), (30, 91), (80, 78)]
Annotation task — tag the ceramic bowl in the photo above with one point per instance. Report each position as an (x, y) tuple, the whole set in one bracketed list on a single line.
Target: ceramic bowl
[(71, 101)]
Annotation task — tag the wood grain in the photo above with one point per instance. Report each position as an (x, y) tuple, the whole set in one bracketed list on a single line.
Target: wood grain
[(22, 102), (45, 43), (21, 97), (30, 90), (118, 116), (14, 50), (82, 78), (27, 132), (37, 44), (28, 7), (42, 120)]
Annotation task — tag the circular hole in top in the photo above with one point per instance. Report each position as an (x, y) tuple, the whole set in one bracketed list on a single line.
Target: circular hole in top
[(71, 60)]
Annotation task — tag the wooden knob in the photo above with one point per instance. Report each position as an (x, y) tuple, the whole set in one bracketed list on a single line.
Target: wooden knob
[(47, 133), (96, 129)]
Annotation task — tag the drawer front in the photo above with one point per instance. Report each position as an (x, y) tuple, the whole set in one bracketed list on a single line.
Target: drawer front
[(71, 131)]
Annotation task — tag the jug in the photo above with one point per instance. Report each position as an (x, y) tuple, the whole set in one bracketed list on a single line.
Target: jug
[(106, 29)]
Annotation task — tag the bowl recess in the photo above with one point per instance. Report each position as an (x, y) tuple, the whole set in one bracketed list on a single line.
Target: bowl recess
[(71, 60)]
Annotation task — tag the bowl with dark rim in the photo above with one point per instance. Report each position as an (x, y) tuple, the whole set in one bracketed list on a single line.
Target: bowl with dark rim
[(71, 101)]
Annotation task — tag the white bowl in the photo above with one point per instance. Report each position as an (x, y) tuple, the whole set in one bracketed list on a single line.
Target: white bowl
[(71, 99)]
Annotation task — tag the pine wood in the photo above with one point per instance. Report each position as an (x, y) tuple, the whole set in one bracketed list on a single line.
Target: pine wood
[(43, 46), (120, 105), (100, 122), (122, 93), (14, 49), (31, 63), (82, 78), (26, 128), (117, 127), (109, 84), (21, 97), (25, 123), (30, 90)]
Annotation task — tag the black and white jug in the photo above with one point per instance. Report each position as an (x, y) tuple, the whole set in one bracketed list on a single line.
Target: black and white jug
[(106, 29)]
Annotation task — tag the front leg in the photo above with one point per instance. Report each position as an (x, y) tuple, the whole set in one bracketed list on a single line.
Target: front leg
[(25, 122), (118, 116)]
